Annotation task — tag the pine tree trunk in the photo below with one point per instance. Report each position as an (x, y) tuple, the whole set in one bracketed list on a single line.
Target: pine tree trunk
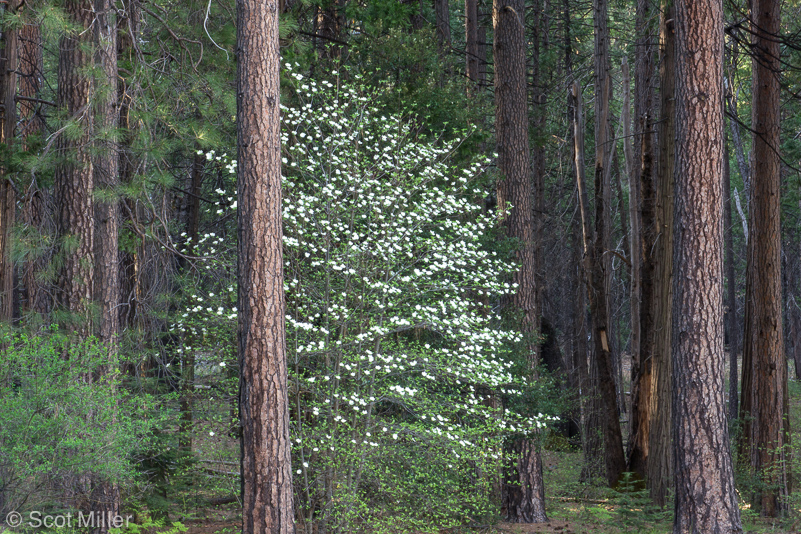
[(264, 410), (525, 493), (74, 176), (763, 347), (705, 497), (106, 494)]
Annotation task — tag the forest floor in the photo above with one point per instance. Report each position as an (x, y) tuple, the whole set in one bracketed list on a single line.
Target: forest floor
[(576, 508)]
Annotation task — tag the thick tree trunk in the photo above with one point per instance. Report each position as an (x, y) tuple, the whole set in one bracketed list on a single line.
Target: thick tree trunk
[(74, 176), (106, 175), (525, 493), (763, 346), (8, 197), (705, 497), (106, 494), (263, 401)]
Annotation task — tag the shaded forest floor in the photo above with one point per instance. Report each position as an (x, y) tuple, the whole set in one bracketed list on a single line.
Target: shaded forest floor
[(573, 507)]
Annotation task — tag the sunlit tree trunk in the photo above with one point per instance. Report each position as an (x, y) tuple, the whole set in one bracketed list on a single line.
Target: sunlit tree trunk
[(263, 400), (704, 478)]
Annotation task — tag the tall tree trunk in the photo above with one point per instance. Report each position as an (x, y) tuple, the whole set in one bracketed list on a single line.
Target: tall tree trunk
[(106, 175), (604, 434), (263, 400), (637, 426), (705, 497), (8, 196), (732, 324), (525, 493), (34, 205), (74, 177), (577, 372), (660, 451), (647, 241), (129, 261), (763, 346), (539, 43), (106, 494), (73, 196)]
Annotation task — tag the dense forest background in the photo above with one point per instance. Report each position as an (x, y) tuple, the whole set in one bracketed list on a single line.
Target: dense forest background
[(478, 247)]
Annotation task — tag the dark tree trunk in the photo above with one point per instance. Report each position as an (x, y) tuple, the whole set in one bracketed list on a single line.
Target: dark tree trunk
[(471, 40), (188, 357), (329, 28), (647, 241), (577, 370), (263, 401), (443, 24), (732, 324), (106, 175), (604, 436), (763, 346), (705, 497), (8, 197), (34, 205), (660, 451), (130, 262), (525, 493)]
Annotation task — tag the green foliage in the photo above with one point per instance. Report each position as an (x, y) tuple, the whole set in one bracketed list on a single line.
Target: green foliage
[(635, 508), (58, 421)]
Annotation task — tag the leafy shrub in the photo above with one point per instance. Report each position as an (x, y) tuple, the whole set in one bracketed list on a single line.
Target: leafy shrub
[(59, 422)]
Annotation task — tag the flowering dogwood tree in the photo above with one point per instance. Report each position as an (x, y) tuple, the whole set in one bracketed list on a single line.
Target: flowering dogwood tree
[(395, 352)]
